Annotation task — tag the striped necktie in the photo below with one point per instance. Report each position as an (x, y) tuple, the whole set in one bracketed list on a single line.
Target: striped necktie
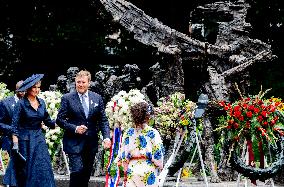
[(85, 107)]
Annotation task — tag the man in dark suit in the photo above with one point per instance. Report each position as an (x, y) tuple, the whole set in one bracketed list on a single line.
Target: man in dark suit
[(82, 116), (6, 114)]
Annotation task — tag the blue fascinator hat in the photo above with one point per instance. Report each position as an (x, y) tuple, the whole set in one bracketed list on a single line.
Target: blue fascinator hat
[(29, 82)]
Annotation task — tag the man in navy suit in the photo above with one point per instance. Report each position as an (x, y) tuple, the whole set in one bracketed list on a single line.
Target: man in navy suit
[(82, 116), (6, 114)]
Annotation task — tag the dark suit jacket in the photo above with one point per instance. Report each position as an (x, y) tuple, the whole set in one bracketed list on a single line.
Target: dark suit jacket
[(6, 114), (71, 115)]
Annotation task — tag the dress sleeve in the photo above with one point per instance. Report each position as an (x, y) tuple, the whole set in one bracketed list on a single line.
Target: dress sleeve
[(158, 151), (16, 118), (5, 128)]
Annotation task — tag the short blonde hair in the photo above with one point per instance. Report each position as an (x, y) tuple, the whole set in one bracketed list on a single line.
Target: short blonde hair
[(83, 73)]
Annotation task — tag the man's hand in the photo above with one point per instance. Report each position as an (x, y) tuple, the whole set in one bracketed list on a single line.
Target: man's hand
[(106, 143), (81, 129)]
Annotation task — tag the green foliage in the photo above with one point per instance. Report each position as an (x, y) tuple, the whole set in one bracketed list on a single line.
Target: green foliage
[(113, 167), (4, 92)]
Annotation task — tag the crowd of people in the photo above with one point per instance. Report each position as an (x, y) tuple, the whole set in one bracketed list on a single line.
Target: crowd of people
[(82, 116)]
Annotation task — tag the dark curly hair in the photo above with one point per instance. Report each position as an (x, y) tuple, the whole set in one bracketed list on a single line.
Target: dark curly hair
[(139, 113)]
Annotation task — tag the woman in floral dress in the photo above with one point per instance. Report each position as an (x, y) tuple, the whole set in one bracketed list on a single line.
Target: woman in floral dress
[(141, 152)]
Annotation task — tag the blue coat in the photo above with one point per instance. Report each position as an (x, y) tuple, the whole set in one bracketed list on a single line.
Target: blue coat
[(6, 114), (26, 125), (71, 115)]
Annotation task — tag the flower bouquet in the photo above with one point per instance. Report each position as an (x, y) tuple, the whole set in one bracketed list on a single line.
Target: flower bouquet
[(173, 112), (4, 92), (53, 136), (52, 100), (254, 122)]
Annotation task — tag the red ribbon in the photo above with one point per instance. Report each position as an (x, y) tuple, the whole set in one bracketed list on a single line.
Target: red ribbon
[(251, 157)]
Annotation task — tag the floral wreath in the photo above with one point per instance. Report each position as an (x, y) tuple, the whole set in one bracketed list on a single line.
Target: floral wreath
[(256, 121), (260, 173)]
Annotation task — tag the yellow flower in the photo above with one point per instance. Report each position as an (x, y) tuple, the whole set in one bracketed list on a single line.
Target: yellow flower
[(185, 173), (184, 122)]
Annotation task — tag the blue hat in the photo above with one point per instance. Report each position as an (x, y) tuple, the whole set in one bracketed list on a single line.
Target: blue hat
[(29, 82)]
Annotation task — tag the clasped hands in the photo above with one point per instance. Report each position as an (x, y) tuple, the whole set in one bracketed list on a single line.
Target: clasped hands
[(81, 129)]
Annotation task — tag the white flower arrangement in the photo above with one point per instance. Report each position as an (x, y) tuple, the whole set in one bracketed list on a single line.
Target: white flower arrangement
[(53, 137), (4, 92), (52, 100), (118, 108)]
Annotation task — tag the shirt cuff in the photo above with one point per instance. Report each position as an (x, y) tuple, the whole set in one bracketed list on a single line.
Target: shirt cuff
[(76, 129), (106, 139)]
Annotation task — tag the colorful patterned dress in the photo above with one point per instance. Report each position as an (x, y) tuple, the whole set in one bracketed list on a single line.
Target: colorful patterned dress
[(142, 150)]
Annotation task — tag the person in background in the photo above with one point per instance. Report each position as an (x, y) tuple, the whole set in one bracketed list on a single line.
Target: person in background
[(6, 113), (82, 115), (29, 140), (141, 153)]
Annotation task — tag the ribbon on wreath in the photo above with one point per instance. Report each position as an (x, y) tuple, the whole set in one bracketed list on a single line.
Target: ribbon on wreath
[(112, 181), (251, 161)]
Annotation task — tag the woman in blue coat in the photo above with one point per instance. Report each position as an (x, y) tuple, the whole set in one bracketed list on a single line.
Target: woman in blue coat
[(29, 140)]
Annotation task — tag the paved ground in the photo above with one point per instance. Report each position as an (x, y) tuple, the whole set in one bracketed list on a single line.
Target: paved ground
[(63, 181)]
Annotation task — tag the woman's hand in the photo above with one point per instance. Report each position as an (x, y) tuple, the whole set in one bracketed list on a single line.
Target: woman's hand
[(15, 147), (15, 143)]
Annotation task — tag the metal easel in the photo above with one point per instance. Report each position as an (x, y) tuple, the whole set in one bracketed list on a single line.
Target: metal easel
[(198, 114)]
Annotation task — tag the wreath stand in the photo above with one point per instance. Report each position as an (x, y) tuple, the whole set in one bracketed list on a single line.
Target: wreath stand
[(178, 140), (198, 114), (193, 155), (191, 160)]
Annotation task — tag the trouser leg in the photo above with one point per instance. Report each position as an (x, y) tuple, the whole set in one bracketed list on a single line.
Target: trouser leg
[(76, 170), (75, 178), (88, 162)]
